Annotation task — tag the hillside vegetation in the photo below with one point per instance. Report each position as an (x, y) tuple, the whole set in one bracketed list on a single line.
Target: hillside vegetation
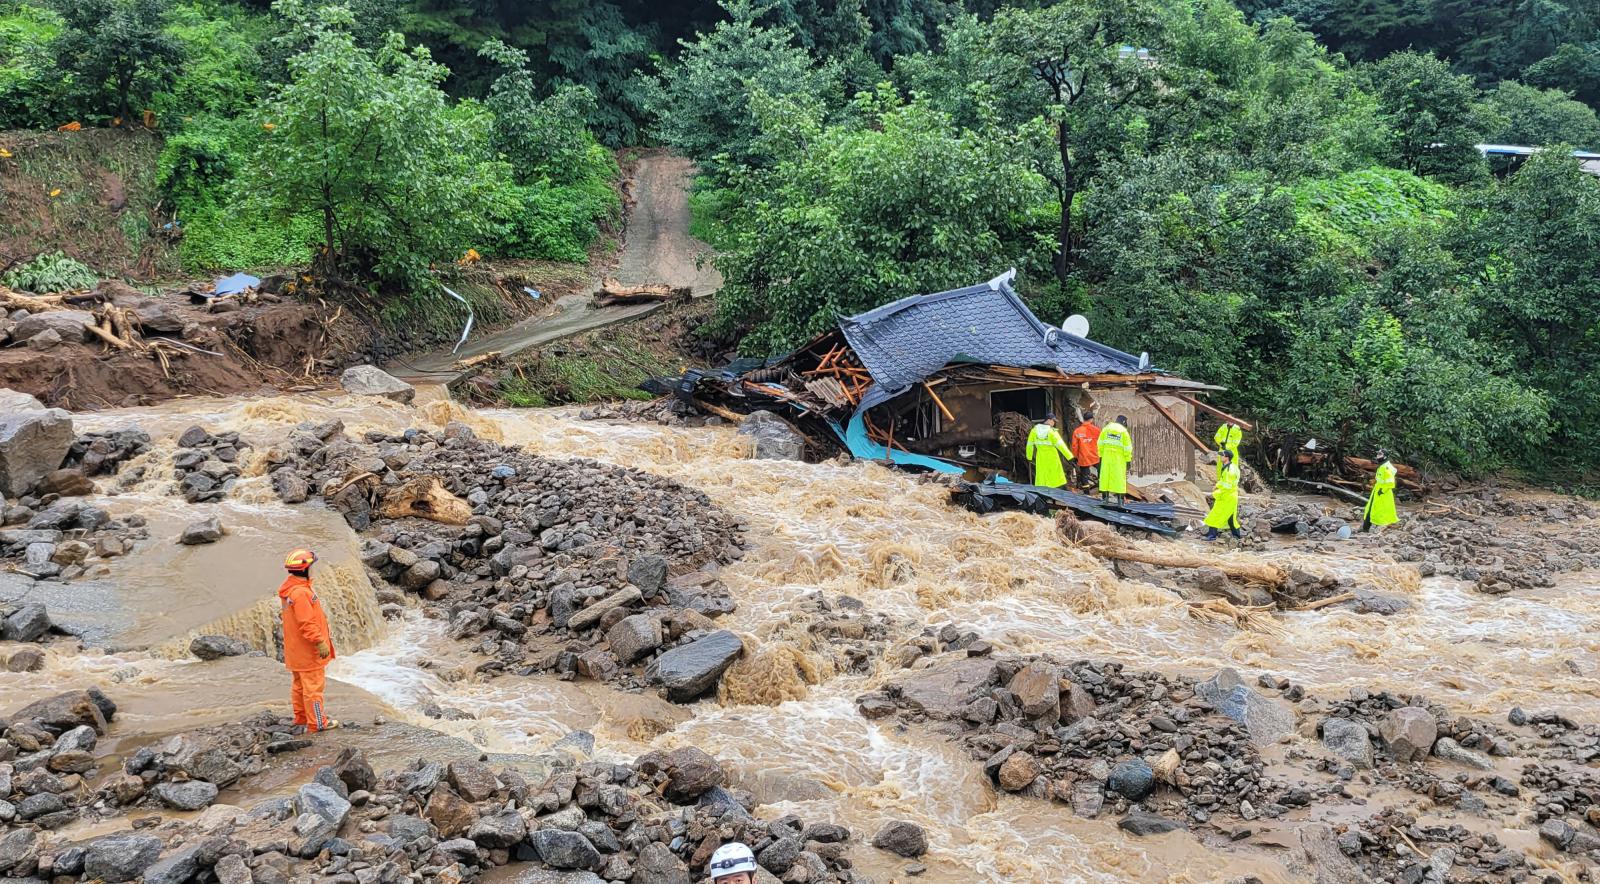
[(1283, 198)]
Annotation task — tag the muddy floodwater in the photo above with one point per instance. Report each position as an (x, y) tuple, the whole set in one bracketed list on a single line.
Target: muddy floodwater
[(787, 727)]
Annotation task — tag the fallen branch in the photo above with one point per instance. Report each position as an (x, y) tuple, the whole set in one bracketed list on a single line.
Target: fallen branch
[(1251, 618), (1333, 489), (1330, 600)]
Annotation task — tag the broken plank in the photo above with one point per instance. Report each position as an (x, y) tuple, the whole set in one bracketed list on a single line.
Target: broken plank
[(1172, 419)]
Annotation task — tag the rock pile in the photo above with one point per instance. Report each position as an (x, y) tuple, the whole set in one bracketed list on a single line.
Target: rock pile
[(102, 454), (1393, 847), (206, 466), (45, 755), (541, 564), (1303, 519), (1094, 734), (186, 771), (58, 538), (654, 821)]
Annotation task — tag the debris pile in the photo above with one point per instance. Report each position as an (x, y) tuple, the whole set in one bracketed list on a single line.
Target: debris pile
[(657, 819), (206, 466), (1095, 735), (62, 539), (1392, 846), (102, 454), (542, 564), (47, 752)]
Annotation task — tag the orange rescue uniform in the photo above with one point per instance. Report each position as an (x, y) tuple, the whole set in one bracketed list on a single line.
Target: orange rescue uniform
[(305, 624), (1086, 444)]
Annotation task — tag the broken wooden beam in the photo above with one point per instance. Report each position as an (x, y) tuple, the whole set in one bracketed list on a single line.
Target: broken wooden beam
[(1213, 411), (1172, 419)]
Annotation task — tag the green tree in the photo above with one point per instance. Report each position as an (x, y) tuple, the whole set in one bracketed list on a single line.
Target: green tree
[(1089, 68), (702, 103), (1529, 115), (116, 53), (854, 215), (367, 141), (1573, 67), (29, 83), (542, 138), (1433, 114)]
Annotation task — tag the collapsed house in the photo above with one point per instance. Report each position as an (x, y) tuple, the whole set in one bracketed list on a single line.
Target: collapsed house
[(953, 382)]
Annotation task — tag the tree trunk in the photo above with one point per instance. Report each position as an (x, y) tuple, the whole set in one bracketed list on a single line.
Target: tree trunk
[(1062, 261)]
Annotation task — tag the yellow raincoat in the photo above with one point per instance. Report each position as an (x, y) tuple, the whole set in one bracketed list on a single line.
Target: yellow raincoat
[(1380, 506), (1048, 453), (1228, 438), (1225, 498), (1116, 452)]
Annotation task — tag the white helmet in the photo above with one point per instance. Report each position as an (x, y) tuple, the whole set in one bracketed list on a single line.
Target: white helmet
[(731, 859)]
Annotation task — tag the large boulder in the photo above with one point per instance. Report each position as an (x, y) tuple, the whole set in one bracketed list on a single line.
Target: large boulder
[(691, 772), (657, 864), (187, 795), (634, 636), (1348, 740), (205, 531), (564, 850), (32, 445), (215, 647), (943, 691), (13, 401), (1267, 721), (19, 853), (1409, 733), (369, 380), (29, 623), (1037, 688), (71, 325), (118, 858), (175, 868), (903, 838), (690, 670), (63, 712)]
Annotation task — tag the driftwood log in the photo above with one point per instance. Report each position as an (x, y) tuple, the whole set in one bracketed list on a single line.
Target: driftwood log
[(424, 498), (614, 294), (1101, 541)]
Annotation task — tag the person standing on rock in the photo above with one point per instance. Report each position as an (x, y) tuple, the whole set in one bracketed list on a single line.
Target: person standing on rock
[(1380, 504), (1116, 452), (1048, 453), (1086, 450), (1224, 498), (733, 863), (307, 642)]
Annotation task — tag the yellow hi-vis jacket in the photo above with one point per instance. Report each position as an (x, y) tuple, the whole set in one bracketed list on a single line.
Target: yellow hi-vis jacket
[(1380, 505), (1048, 453), (1225, 498), (1116, 452), (1228, 438)]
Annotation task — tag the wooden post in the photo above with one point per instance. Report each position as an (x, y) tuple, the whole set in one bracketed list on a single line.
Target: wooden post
[(1213, 410), (1172, 419), (939, 402)]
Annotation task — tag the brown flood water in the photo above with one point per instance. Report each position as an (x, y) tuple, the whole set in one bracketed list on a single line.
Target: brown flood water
[(844, 529)]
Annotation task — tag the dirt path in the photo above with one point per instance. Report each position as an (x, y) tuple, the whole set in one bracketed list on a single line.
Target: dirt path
[(657, 248)]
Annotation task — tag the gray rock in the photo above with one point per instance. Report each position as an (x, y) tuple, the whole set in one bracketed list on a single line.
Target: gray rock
[(406, 828), (368, 380), (324, 802), (1450, 750), (903, 838), (648, 573), (634, 636), (1267, 721), (780, 856), (29, 623), (157, 318), (32, 445), (657, 864), (204, 531), (215, 647), (564, 850), (527, 875), (231, 869), (1133, 779), (19, 852), (187, 795), (943, 691), (690, 670), (175, 868), (48, 339), (1037, 688), (1558, 832), (118, 858), (71, 325), (25, 660), (1348, 740), (66, 711), (81, 738), (691, 772), (1409, 733), (1142, 822), (472, 781), (13, 401), (588, 617), (1320, 860), (499, 830)]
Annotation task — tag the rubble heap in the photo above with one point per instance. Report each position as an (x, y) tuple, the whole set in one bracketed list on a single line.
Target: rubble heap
[(542, 564), (58, 539), (1093, 734), (47, 752), (206, 466)]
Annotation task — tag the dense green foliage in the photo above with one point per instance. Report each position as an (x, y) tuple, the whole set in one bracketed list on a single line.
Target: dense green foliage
[(54, 272), (1281, 196)]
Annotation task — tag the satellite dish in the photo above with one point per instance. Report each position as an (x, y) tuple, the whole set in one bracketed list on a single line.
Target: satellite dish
[(1076, 324), (1144, 361), (1052, 337)]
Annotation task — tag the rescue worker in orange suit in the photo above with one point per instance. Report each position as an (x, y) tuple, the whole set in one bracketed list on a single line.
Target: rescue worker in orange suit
[(1086, 451), (307, 643)]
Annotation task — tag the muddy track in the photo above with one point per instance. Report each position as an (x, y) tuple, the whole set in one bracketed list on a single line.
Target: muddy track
[(657, 248)]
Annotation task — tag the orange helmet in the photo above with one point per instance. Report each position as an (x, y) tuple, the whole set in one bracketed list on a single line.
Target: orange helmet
[(299, 560)]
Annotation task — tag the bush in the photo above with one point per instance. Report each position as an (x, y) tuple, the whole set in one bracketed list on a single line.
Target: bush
[(28, 79), (54, 272), (224, 238), (554, 223)]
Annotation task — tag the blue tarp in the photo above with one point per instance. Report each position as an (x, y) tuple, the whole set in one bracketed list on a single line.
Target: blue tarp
[(855, 439), (235, 284)]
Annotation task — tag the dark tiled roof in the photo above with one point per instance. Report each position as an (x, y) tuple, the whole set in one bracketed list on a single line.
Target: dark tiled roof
[(903, 342)]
